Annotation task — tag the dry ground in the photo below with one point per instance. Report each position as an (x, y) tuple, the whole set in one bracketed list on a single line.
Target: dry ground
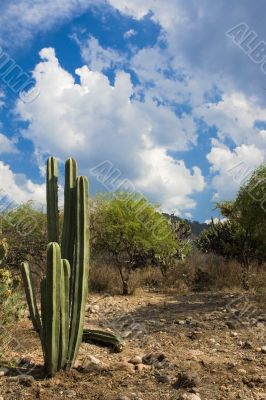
[(184, 334)]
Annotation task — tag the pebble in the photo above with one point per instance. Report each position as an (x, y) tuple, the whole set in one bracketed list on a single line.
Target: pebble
[(71, 393), (162, 378), (136, 360), (263, 349), (124, 366), (247, 345), (242, 371), (189, 396), (186, 380), (26, 380), (232, 324), (93, 360), (3, 371)]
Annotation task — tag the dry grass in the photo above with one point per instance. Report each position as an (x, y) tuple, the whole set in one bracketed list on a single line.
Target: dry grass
[(200, 272)]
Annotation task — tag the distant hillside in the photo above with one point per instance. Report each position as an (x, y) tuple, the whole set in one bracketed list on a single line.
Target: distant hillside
[(196, 227)]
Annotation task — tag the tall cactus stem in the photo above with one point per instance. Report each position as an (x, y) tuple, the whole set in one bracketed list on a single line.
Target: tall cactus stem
[(53, 301), (64, 320), (68, 234), (43, 310), (52, 200), (80, 270), (30, 296)]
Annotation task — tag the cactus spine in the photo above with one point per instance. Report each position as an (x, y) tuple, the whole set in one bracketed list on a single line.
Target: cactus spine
[(65, 287)]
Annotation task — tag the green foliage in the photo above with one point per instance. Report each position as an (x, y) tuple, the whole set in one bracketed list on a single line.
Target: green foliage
[(4, 248), (64, 288), (130, 230), (243, 235), (25, 229), (11, 305)]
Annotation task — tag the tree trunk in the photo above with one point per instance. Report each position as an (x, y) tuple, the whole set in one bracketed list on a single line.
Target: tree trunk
[(125, 288), (245, 274), (124, 282)]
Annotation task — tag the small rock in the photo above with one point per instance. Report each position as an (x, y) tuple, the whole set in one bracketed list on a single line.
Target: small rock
[(13, 378), (26, 380), (136, 360), (232, 324), (186, 380), (247, 345), (124, 366), (3, 371), (153, 358), (93, 360), (162, 378), (71, 393), (242, 371), (181, 322), (189, 396), (263, 349)]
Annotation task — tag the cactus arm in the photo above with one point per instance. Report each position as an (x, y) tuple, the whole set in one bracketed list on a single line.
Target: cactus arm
[(80, 271), (30, 296), (52, 200), (53, 301), (68, 234), (64, 334)]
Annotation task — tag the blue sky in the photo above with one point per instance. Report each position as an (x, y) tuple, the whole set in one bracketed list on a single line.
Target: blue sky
[(169, 94)]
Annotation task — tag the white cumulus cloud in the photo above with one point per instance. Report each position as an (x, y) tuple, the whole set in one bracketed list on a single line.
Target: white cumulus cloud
[(86, 117)]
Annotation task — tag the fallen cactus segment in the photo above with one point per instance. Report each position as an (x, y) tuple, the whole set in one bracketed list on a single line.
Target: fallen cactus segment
[(103, 338)]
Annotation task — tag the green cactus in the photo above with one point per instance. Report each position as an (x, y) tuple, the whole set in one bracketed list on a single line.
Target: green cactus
[(52, 307), (65, 287), (103, 338), (80, 271), (64, 320), (30, 295), (52, 200)]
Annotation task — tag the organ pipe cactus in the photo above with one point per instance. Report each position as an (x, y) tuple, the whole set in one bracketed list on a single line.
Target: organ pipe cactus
[(65, 287)]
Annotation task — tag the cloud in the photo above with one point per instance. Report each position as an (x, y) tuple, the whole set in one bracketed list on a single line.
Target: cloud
[(166, 13), (7, 145), (20, 20), (169, 180), (235, 118), (97, 57), (86, 117), (232, 168), (18, 188), (128, 34)]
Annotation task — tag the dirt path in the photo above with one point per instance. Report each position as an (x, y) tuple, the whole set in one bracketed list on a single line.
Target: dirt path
[(206, 344)]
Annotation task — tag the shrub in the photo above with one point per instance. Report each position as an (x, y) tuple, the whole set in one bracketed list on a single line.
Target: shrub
[(11, 306)]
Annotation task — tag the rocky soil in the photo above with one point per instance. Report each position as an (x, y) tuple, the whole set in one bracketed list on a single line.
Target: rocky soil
[(196, 346)]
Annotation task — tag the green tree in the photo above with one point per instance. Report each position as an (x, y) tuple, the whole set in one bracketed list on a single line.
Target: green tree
[(131, 231), (25, 229), (243, 235)]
